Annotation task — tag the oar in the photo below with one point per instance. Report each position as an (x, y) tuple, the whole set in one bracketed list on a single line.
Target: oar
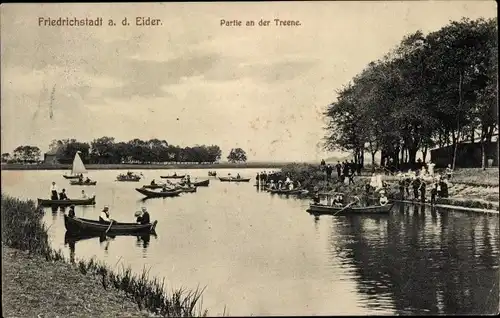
[(346, 206), (110, 223)]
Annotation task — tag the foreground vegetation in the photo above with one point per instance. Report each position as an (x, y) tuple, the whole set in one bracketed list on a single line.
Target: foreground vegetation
[(22, 229)]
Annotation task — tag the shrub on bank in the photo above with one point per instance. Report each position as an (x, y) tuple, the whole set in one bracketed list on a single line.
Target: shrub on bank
[(23, 229)]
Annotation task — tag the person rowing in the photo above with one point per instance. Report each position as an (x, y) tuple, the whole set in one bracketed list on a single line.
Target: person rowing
[(62, 195), (104, 217)]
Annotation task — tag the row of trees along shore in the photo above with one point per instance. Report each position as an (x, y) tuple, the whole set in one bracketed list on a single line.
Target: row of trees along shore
[(438, 89), (106, 150)]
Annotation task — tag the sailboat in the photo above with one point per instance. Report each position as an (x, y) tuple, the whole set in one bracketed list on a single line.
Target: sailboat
[(77, 169)]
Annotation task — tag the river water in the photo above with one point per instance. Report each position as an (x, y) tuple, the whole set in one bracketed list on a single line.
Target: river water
[(262, 254)]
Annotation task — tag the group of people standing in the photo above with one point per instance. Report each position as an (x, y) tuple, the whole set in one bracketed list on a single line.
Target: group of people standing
[(422, 181), (345, 170)]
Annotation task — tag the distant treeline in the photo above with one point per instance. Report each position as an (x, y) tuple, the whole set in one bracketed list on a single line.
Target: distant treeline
[(438, 89), (106, 150)]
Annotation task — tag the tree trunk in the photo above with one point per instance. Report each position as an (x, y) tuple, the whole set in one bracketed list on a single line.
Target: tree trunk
[(458, 120), (412, 154), (424, 153)]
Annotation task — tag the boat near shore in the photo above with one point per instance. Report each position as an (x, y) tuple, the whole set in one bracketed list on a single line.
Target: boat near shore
[(231, 179), (48, 202), (83, 183), (327, 209), (173, 176)]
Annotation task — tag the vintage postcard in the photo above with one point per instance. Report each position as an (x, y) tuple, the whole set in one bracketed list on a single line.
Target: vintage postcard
[(249, 158)]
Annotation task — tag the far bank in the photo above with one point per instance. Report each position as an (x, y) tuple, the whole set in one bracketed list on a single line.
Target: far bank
[(212, 166)]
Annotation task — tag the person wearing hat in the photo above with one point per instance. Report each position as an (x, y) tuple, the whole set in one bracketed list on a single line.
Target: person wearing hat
[(142, 216), (71, 212), (383, 199), (104, 217)]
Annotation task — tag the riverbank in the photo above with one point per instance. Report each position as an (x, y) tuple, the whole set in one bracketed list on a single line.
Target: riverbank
[(35, 287), (37, 275), (212, 166), (474, 188)]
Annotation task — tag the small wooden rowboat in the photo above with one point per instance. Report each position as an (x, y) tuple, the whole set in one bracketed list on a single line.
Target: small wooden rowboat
[(326, 209), (186, 189), (203, 183), (71, 177), (83, 183), (158, 194), (231, 179), (48, 202), (129, 179), (86, 226), (173, 177), (294, 191), (153, 186)]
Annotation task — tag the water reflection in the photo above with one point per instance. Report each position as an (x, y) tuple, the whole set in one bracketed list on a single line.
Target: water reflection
[(420, 267), (142, 241)]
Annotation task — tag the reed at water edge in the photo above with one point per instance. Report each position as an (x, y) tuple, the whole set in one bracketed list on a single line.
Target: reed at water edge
[(23, 229)]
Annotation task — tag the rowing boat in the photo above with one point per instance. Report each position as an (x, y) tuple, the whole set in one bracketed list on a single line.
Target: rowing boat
[(294, 191), (129, 179), (85, 226), (327, 209), (203, 183), (155, 186), (72, 237), (71, 177), (48, 202), (83, 183), (186, 189), (173, 177), (231, 179), (158, 194)]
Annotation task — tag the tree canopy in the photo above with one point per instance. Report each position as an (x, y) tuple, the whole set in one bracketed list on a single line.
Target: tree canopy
[(431, 90)]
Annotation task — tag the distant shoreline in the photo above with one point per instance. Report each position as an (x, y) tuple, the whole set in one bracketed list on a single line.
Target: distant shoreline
[(214, 166)]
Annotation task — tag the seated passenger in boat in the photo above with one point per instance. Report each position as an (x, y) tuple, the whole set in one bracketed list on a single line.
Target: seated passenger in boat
[(383, 199), (71, 212), (84, 196), (53, 191), (143, 216), (104, 217), (80, 178), (238, 176), (153, 182), (87, 180), (62, 195)]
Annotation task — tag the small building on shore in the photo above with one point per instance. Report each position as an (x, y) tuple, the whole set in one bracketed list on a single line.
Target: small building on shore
[(468, 155), (50, 157)]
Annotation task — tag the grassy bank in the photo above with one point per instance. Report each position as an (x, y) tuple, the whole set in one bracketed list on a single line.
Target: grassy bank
[(23, 230), (212, 166)]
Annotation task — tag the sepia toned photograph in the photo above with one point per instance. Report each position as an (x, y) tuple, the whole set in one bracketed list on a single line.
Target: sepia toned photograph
[(280, 158)]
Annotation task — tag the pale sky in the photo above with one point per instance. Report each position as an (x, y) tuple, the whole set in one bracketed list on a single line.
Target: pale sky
[(191, 81)]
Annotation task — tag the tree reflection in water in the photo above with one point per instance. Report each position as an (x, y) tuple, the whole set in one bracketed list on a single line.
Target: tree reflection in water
[(421, 265)]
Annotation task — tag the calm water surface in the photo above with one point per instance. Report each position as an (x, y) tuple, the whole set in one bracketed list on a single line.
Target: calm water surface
[(262, 254)]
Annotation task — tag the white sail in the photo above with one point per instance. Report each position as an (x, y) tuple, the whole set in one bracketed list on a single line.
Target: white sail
[(78, 166)]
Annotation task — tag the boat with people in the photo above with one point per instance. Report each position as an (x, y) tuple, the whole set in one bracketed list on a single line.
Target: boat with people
[(76, 225), (67, 202), (74, 237), (174, 176), (328, 209), (286, 191), (233, 179), (129, 176), (77, 168), (202, 183), (83, 183), (159, 194), (212, 174)]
